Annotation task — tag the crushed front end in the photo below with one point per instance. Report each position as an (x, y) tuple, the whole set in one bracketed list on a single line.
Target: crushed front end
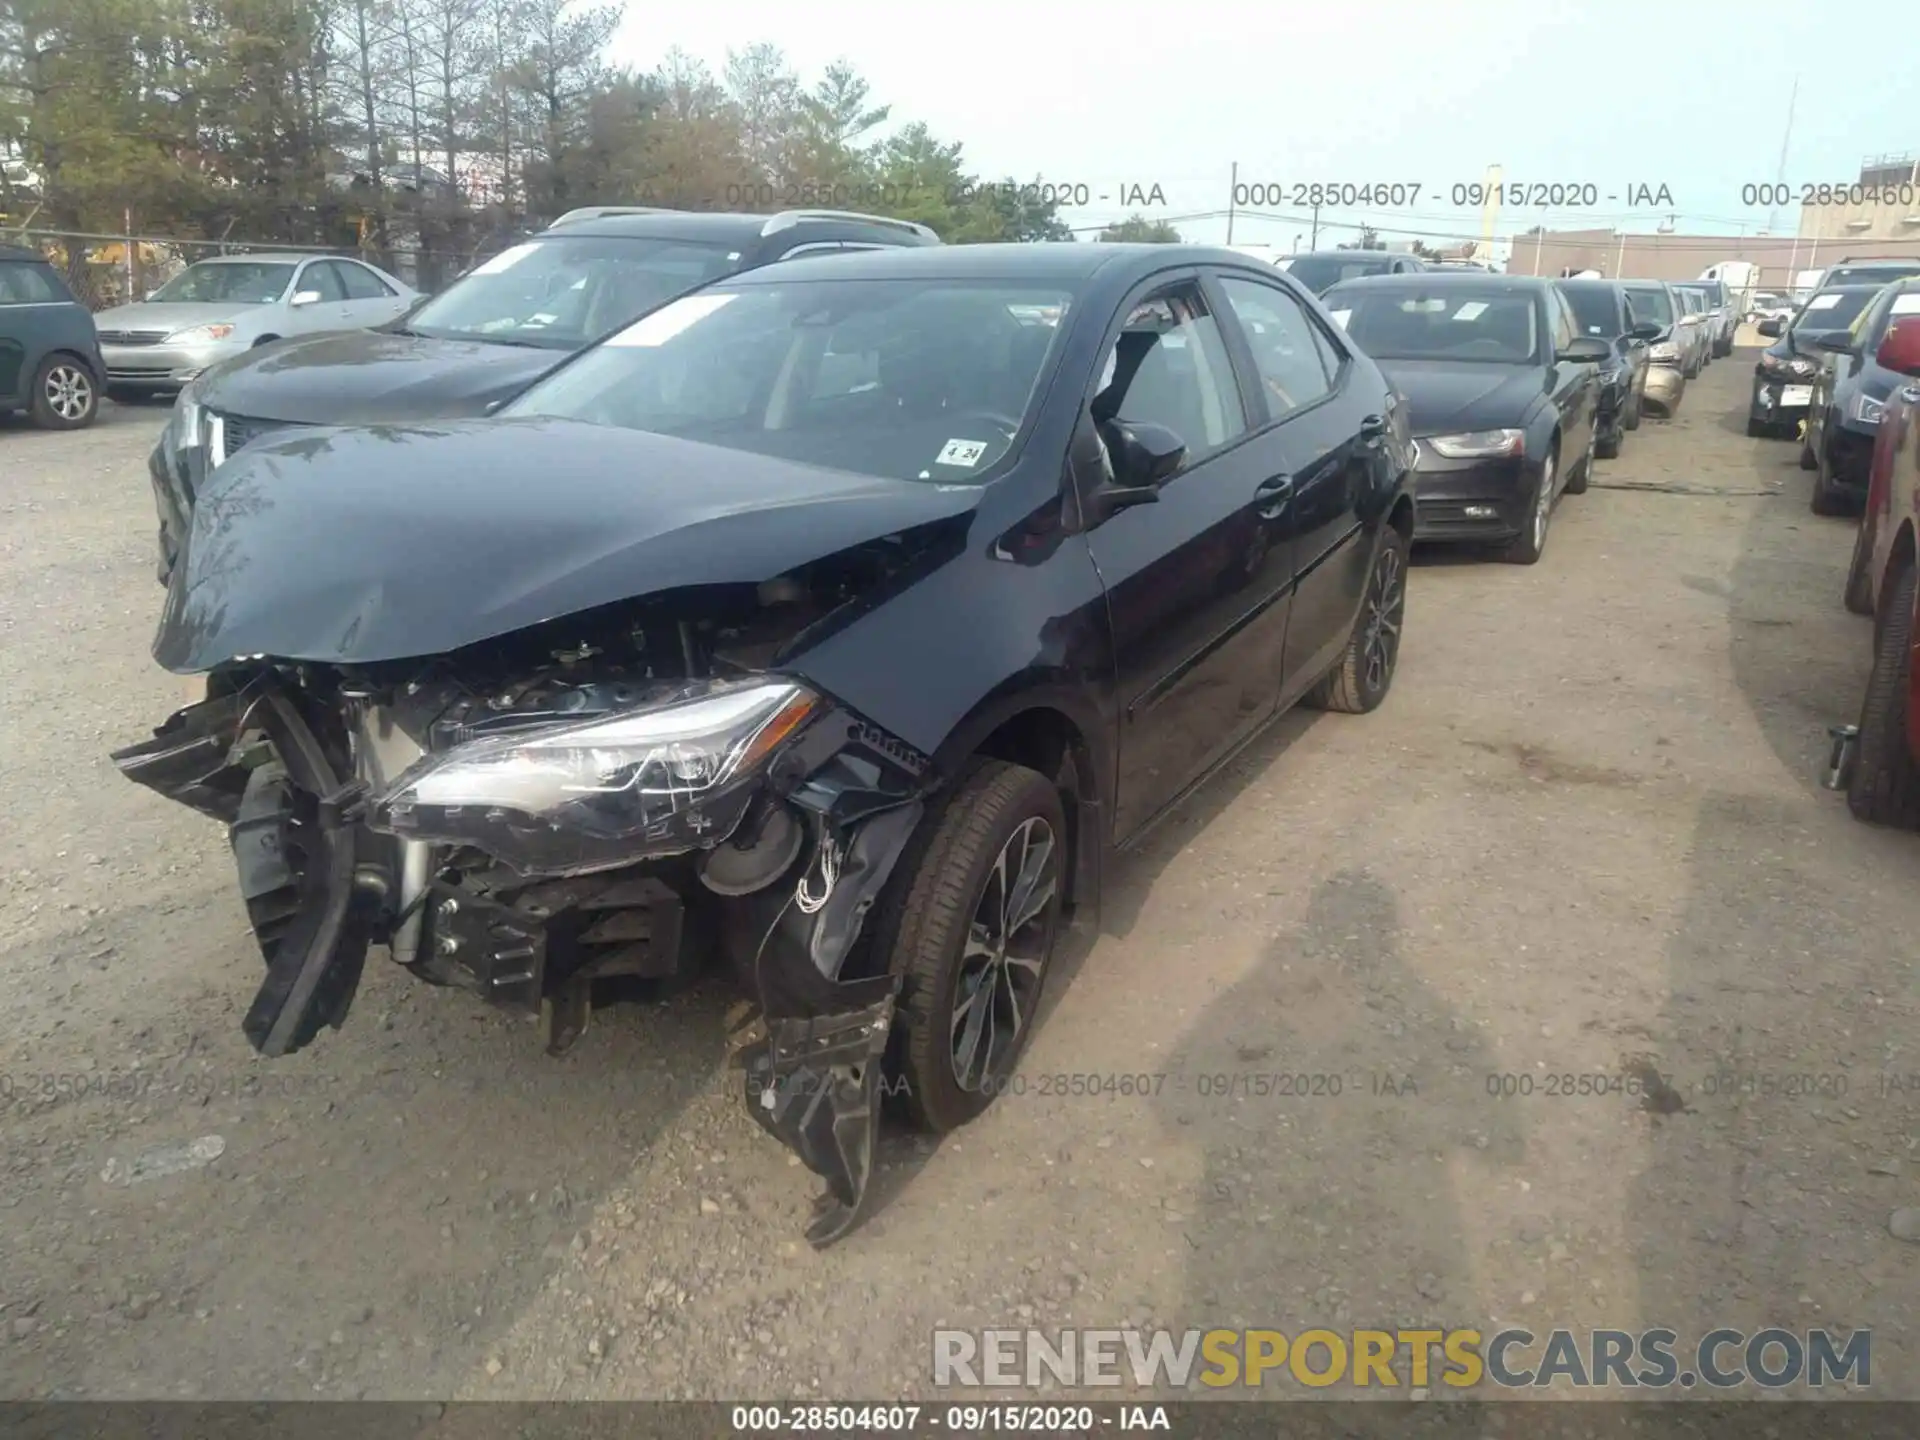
[(597, 800)]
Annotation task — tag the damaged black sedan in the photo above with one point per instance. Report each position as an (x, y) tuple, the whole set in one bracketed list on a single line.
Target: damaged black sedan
[(834, 622)]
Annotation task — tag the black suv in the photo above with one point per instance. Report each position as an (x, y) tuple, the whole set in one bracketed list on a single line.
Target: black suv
[(488, 335), (50, 362), (837, 621)]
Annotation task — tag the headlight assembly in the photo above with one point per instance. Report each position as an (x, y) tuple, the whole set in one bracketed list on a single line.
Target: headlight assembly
[(189, 421), (1865, 410), (668, 777), (1479, 444), (200, 334), (1665, 350)]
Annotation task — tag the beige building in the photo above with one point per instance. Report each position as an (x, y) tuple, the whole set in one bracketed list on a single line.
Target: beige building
[(1879, 216)]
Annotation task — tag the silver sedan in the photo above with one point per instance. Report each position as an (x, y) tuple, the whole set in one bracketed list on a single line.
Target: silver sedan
[(221, 307)]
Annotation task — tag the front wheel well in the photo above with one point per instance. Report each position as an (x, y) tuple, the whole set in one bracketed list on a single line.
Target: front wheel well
[(73, 355), (265, 340), (1046, 740), (1401, 517)]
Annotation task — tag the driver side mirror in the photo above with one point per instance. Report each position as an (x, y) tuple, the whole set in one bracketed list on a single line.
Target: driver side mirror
[(1145, 457), (1585, 350), (306, 297), (1900, 349), (1771, 327)]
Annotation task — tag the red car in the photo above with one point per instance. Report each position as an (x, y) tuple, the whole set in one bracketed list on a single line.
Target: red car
[(1882, 773)]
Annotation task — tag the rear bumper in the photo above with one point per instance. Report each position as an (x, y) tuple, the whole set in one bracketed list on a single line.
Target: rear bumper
[(1767, 408)]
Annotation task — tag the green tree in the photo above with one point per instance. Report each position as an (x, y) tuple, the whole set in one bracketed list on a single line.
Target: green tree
[(1137, 229)]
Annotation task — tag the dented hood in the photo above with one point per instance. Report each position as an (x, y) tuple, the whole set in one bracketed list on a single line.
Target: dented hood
[(354, 546)]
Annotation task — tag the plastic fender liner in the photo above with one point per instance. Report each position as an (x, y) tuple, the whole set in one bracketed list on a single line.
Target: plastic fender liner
[(190, 758), (814, 1082), (316, 969)]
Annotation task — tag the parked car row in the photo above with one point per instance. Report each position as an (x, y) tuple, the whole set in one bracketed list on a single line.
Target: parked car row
[(1878, 759), (1821, 382)]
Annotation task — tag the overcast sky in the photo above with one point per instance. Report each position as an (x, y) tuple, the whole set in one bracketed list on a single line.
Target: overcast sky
[(1689, 94)]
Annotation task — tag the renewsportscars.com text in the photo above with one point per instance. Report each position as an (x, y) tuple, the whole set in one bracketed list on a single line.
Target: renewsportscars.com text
[(1774, 1358)]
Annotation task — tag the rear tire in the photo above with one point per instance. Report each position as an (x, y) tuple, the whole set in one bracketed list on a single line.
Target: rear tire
[(1631, 419), (1607, 449), (937, 943), (1885, 789), (1361, 680), (1808, 460), (1858, 595), (1756, 430), (65, 394)]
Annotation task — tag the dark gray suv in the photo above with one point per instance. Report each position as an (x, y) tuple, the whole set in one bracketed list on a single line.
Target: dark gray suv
[(50, 362), (489, 335)]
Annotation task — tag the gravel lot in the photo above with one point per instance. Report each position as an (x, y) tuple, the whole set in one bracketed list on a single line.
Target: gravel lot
[(1587, 829)]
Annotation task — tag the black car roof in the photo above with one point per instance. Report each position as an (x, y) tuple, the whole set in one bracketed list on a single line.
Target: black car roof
[(15, 252), (723, 227), (1588, 282), (1060, 261), (1462, 279)]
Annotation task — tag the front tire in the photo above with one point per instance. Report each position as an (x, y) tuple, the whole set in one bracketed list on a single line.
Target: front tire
[(1526, 548), (1635, 402), (1827, 498), (65, 395), (1361, 680), (975, 940), (1885, 789)]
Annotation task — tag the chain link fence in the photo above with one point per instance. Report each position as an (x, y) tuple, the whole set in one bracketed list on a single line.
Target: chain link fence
[(106, 270)]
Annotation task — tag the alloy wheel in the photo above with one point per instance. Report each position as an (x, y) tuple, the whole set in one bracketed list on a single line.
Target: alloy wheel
[(69, 392), (1386, 610), (997, 983), (1543, 505)]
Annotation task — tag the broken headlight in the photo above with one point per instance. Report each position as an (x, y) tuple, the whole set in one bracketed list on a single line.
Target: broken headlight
[(672, 775)]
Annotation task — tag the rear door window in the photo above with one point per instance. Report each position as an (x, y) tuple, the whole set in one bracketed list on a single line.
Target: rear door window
[(24, 283)]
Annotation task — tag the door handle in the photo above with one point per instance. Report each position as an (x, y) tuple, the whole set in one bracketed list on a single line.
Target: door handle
[(1278, 486), (1373, 427)]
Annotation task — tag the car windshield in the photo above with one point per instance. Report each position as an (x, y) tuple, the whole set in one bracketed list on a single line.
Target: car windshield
[(1596, 310), (1451, 322), (1650, 306), (236, 282), (1832, 310), (562, 293), (1317, 272), (1870, 274), (907, 379)]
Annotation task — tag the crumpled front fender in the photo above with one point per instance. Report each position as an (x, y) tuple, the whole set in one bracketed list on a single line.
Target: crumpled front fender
[(814, 1082)]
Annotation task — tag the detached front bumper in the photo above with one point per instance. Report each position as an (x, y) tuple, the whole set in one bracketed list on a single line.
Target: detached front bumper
[(322, 886), (1666, 384), (1470, 501)]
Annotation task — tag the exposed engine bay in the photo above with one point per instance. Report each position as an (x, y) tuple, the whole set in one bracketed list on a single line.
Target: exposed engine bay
[(539, 817)]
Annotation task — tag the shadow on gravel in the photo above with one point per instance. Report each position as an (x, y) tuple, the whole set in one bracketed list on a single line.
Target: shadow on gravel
[(1334, 1010)]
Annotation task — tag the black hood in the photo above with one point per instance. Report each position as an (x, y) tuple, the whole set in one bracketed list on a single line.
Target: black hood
[(1446, 397), (355, 546), (371, 377)]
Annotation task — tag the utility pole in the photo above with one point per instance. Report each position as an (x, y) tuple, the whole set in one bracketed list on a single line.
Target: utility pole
[(1314, 244), (1233, 194), (1780, 173)]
